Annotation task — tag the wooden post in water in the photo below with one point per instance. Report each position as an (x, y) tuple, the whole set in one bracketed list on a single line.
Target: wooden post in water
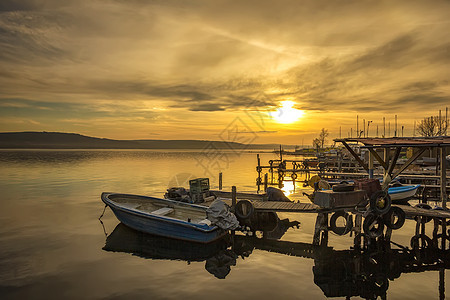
[(258, 169), (266, 179), (443, 177), (370, 165), (357, 126), (233, 198), (220, 181), (364, 125), (395, 125)]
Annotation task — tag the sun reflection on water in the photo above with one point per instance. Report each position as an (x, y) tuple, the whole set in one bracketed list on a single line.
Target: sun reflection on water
[(288, 188)]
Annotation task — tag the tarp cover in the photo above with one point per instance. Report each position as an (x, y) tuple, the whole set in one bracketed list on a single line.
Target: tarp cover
[(274, 194), (220, 215)]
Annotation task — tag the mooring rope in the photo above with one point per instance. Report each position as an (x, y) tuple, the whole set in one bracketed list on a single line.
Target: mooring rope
[(102, 213)]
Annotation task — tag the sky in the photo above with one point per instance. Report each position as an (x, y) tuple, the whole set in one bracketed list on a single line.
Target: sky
[(245, 71)]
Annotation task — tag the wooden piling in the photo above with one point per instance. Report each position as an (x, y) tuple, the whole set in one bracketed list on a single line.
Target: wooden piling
[(266, 179), (220, 181), (443, 177), (233, 198), (370, 165)]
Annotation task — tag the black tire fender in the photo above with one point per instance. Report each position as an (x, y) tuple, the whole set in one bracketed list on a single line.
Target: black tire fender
[(424, 206), (393, 212), (421, 239), (380, 202), (348, 223), (373, 225), (244, 209)]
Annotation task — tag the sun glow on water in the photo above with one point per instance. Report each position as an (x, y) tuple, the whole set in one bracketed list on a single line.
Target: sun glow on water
[(288, 188), (287, 114)]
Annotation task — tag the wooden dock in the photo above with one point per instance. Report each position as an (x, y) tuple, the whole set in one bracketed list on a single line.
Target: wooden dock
[(300, 207)]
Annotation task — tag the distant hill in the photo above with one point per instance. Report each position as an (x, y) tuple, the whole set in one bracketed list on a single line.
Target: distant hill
[(59, 140)]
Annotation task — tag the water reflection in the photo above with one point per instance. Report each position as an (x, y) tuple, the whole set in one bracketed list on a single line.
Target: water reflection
[(347, 273)]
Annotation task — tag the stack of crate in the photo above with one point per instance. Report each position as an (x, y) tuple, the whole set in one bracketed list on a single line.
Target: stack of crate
[(199, 189), (370, 186)]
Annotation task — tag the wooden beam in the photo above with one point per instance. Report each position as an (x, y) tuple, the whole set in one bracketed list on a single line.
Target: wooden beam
[(394, 160), (378, 158), (360, 161), (409, 162)]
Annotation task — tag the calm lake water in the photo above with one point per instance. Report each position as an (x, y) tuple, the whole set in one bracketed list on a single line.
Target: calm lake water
[(52, 244)]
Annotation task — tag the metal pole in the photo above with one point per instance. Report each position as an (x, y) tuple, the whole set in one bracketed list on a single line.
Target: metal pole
[(364, 126), (446, 120), (357, 126), (395, 125), (443, 177)]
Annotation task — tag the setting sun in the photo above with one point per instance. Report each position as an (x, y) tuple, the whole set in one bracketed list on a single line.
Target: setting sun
[(287, 114)]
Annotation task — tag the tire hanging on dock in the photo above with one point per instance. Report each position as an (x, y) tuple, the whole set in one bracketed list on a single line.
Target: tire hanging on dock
[(373, 225), (421, 241), (341, 230), (380, 202), (244, 209), (394, 218)]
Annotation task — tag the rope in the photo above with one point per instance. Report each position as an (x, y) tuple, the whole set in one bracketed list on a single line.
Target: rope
[(102, 213)]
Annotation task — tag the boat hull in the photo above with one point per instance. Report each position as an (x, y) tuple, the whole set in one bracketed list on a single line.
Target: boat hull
[(162, 225), (402, 192)]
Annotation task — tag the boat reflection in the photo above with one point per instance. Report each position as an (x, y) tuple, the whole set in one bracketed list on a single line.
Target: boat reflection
[(365, 273)]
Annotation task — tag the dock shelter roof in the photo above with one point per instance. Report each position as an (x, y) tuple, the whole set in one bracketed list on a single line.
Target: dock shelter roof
[(441, 141)]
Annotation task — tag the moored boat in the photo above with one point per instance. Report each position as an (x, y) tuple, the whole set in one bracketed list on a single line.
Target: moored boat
[(163, 217), (403, 192)]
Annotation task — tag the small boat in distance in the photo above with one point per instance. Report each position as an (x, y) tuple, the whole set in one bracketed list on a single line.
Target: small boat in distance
[(403, 192), (163, 217)]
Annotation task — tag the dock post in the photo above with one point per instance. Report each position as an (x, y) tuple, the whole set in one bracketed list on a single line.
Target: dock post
[(266, 179), (357, 229), (443, 177), (280, 181), (442, 283), (444, 234), (370, 165), (321, 225), (220, 181), (233, 198), (233, 210), (258, 169)]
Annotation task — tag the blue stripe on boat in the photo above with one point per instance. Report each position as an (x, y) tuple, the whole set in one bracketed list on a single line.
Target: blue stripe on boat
[(402, 189)]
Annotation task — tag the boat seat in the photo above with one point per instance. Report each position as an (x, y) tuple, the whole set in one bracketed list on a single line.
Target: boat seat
[(205, 221), (163, 211)]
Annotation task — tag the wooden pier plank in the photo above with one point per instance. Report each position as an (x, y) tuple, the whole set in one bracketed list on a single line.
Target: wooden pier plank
[(414, 211), (302, 207)]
